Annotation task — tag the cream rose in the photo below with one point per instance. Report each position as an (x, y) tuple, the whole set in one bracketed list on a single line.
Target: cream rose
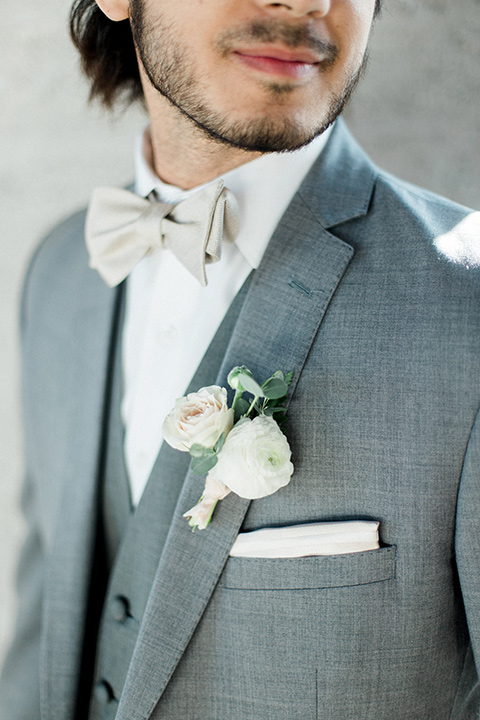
[(198, 419), (255, 460), (200, 515)]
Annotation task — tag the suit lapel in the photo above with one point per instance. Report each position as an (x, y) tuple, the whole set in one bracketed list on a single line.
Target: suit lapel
[(280, 318), (69, 565), (144, 539)]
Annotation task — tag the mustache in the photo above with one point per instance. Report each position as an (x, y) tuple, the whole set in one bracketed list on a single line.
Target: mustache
[(276, 31)]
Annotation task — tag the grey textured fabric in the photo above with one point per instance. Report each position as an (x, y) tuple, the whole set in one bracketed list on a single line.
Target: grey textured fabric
[(360, 295), (116, 508), (139, 539)]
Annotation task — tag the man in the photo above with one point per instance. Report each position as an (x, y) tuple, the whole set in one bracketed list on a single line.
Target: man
[(362, 286)]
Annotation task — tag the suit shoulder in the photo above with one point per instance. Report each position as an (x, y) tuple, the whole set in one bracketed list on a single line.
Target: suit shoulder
[(58, 273), (433, 211), (60, 249), (422, 218)]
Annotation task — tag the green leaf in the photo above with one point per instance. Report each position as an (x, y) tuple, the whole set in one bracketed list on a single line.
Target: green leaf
[(275, 388), (288, 378), (241, 408), (202, 465), (271, 411), (277, 402), (220, 443), (250, 385), (199, 450)]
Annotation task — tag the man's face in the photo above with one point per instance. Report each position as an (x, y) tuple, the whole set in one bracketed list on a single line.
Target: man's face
[(253, 74)]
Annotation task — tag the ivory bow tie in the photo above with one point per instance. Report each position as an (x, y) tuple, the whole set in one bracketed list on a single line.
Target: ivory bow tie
[(122, 228)]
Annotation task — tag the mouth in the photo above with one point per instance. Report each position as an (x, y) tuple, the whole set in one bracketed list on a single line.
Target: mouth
[(281, 62)]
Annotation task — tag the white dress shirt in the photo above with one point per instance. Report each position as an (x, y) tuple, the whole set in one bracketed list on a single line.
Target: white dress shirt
[(170, 318)]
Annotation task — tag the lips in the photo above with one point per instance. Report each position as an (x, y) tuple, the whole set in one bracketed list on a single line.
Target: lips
[(278, 53), (297, 63)]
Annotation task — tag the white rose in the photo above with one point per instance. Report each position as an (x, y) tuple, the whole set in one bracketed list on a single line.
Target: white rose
[(199, 418), (255, 460)]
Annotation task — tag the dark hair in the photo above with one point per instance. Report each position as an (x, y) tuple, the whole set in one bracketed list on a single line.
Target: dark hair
[(108, 53)]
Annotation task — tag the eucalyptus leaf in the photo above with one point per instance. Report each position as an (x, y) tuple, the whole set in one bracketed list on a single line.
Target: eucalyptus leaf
[(277, 402), (202, 465), (275, 388), (288, 378), (199, 450), (220, 443), (241, 408), (250, 385), (271, 411)]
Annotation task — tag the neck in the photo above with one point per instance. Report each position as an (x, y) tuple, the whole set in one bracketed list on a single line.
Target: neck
[(181, 153)]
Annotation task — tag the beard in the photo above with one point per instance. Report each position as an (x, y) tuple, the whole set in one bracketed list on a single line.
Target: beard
[(171, 69)]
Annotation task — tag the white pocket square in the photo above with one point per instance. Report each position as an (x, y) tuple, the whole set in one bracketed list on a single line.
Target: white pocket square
[(322, 538)]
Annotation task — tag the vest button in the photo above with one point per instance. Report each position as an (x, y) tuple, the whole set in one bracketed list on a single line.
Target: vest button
[(104, 692), (119, 608)]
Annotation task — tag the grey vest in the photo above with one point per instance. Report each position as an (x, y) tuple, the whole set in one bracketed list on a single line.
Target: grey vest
[(132, 542)]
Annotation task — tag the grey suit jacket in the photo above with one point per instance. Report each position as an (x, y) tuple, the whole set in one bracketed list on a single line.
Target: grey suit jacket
[(369, 292)]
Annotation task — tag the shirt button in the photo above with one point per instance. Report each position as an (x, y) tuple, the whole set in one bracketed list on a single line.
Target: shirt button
[(104, 692), (119, 608)]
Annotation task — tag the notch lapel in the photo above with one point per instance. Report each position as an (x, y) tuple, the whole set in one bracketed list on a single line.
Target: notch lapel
[(280, 318)]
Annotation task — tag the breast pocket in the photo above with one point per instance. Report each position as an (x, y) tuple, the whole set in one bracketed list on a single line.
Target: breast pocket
[(309, 573), (274, 623)]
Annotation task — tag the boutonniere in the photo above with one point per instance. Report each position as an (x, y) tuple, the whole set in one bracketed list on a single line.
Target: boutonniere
[(241, 448)]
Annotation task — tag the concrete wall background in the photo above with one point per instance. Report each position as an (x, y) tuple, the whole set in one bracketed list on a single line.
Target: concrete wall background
[(417, 114)]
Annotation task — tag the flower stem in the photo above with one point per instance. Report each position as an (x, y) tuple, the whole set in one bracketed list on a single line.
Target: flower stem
[(252, 405), (238, 395)]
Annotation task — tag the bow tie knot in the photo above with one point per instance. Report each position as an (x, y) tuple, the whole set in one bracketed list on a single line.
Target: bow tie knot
[(122, 228)]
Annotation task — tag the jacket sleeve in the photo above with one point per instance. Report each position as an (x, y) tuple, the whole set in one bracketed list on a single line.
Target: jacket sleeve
[(19, 682), (467, 551), (20, 676)]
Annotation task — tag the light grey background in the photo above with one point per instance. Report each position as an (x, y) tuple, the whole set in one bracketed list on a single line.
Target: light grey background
[(417, 114)]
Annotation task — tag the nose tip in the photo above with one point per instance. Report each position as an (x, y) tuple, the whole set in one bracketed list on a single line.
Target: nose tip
[(299, 8)]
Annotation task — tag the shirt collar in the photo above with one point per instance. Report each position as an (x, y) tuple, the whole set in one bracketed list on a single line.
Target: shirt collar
[(263, 187)]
